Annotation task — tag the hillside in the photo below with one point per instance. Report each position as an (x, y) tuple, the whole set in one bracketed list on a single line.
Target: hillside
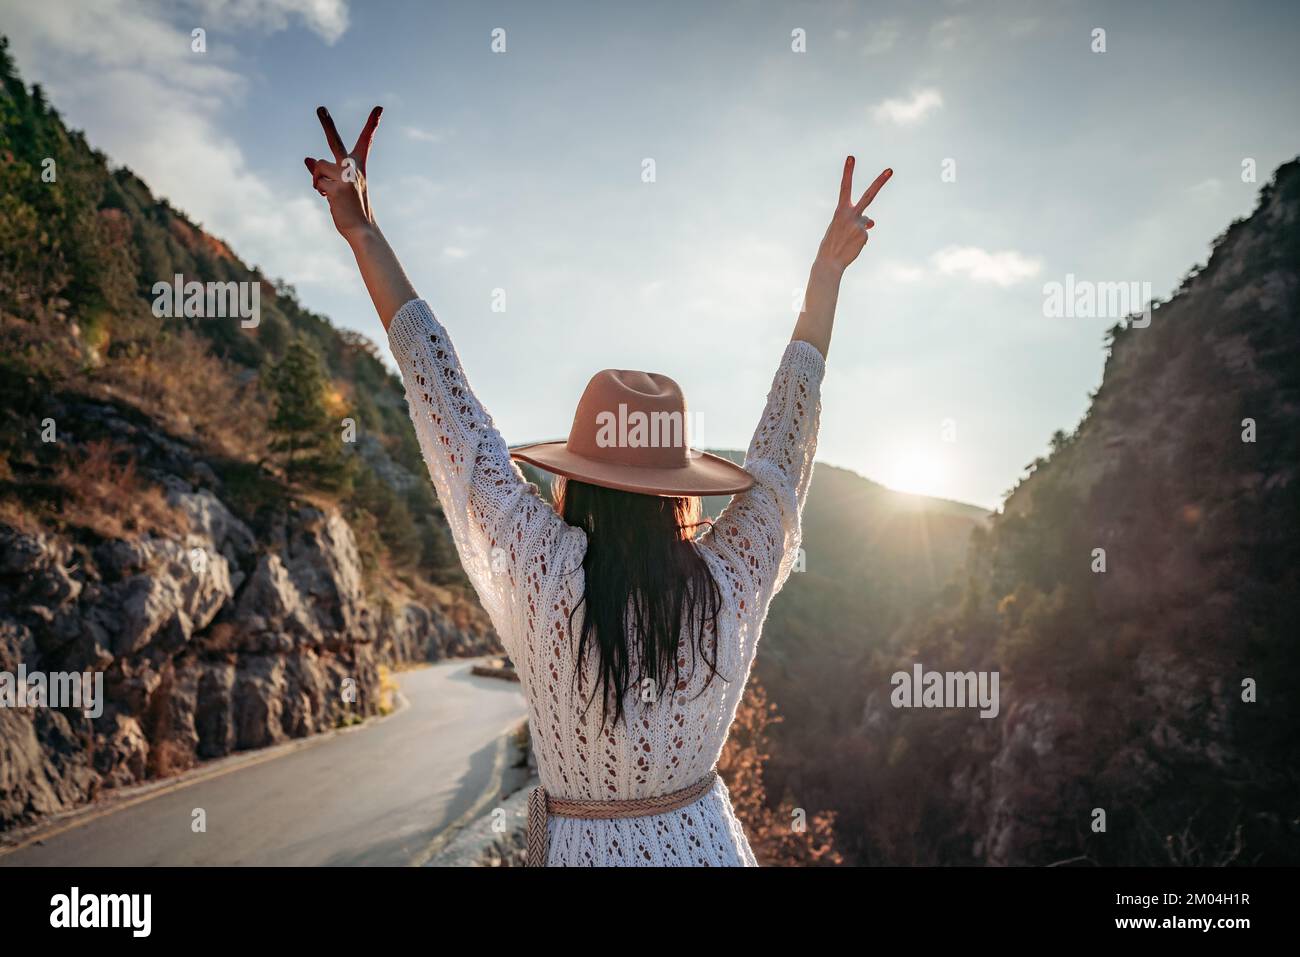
[(872, 558), (1156, 690), (181, 507)]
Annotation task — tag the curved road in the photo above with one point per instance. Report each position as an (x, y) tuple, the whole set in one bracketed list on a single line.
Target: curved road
[(381, 793)]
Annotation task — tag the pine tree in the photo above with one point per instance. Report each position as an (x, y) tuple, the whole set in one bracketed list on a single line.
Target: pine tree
[(304, 431)]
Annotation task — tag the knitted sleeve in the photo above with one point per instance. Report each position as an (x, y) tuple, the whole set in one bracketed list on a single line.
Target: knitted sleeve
[(505, 534), (757, 536)]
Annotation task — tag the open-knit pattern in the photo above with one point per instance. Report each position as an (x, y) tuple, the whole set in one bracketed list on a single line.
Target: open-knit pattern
[(525, 563)]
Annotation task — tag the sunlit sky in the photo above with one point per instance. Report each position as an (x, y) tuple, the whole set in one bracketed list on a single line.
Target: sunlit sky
[(522, 171)]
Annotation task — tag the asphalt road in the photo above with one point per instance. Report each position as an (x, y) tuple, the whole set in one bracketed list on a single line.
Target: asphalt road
[(382, 793)]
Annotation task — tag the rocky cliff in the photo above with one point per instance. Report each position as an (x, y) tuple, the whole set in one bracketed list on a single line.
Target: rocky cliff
[(1138, 597), (213, 639), (153, 531)]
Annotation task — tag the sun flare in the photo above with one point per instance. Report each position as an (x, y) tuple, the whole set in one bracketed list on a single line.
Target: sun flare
[(917, 471)]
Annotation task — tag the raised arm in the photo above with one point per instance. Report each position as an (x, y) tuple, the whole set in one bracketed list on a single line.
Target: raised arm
[(757, 537), (343, 183), (503, 531), (844, 239)]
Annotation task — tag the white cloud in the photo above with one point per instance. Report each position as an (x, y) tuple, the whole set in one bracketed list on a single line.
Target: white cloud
[(454, 252), (125, 73), (1004, 268), (1206, 187), (905, 112), (328, 19)]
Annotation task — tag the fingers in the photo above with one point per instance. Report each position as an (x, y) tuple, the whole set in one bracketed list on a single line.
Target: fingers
[(872, 190), (324, 169), (311, 168), (324, 174), (846, 182), (362, 149), (331, 134)]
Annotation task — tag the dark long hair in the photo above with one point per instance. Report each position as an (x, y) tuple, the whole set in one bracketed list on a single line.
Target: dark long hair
[(643, 578)]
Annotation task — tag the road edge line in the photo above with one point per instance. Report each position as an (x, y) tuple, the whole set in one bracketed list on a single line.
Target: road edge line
[(489, 794)]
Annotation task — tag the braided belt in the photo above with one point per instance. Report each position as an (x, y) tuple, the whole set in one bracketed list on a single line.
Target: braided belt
[(540, 805)]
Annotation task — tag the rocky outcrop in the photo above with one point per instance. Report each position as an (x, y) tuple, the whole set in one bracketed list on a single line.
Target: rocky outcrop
[(453, 628), (1145, 712), (155, 537), (1198, 514), (207, 644)]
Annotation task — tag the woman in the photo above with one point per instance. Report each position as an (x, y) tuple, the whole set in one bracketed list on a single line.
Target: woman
[(633, 637)]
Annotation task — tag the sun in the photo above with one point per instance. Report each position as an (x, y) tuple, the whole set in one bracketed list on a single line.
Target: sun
[(917, 470)]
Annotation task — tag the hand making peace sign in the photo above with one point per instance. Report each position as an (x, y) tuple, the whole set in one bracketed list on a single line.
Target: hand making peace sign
[(343, 182), (847, 233)]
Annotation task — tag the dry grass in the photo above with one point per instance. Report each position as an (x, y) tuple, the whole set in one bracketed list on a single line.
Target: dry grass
[(387, 690), (17, 515), (103, 493), (190, 392)]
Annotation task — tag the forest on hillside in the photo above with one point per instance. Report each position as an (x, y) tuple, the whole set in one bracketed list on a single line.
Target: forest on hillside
[(81, 256), (229, 520), (1138, 595)]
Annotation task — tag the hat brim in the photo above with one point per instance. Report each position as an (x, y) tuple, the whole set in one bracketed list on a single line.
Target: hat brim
[(704, 473)]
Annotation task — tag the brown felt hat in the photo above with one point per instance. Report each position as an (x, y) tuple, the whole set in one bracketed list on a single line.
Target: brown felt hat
[(631, 432)]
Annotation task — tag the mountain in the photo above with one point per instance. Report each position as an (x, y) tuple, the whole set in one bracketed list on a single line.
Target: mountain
[(181, 507), (1137, 596), (871, 558)]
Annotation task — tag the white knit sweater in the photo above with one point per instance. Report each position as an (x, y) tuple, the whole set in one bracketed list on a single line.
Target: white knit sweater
[(525, 563)]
